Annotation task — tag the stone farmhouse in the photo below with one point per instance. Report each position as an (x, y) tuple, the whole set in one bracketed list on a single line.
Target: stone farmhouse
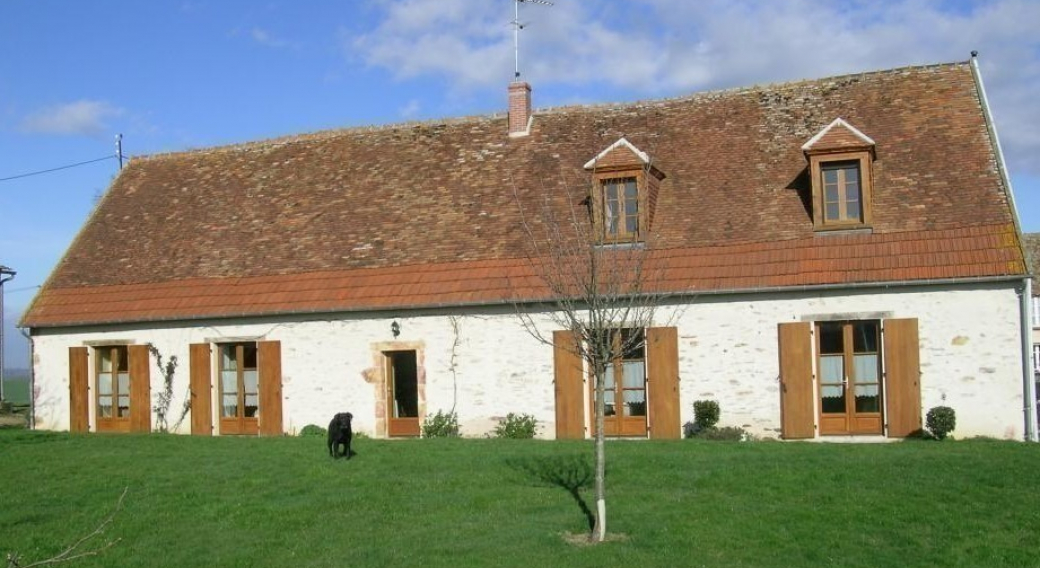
[(836, 256)]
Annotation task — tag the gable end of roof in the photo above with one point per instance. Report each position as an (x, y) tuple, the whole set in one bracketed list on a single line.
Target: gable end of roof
[(838, 123)]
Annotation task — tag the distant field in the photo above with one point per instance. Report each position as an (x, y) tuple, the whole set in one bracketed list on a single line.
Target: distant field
[(16, 389), (283, 503)]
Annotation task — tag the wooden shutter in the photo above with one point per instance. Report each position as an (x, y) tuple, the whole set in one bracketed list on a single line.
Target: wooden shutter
[(79, 409), (662, 362), (269, 354), (201, 385), (140, 389), (570, 394), (902, 377), (796, 381)]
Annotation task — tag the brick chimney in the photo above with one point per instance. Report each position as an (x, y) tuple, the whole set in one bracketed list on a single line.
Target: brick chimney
[(519, 108)]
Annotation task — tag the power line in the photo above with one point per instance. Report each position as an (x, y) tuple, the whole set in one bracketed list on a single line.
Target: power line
[(110, 157), (23, 289)]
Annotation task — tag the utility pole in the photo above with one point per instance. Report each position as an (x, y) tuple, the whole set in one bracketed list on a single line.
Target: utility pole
[(6, 275), (119, 149)]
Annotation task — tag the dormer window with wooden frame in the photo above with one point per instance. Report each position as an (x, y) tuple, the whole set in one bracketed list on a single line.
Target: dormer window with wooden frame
[(841, 160), (624, 193)]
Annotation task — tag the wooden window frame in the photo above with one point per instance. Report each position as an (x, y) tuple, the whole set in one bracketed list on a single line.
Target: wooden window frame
[(602, 179), (817, 163)]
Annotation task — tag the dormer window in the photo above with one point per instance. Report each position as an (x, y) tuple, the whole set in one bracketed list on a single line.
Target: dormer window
[(840, 166), (621, 209), (842, 195), (625, 188)]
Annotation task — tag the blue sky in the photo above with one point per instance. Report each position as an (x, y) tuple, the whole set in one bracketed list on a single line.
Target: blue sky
[(181, 74)]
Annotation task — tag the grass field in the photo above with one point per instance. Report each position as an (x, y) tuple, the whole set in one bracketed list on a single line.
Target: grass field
[(283, 502), (16, 389)]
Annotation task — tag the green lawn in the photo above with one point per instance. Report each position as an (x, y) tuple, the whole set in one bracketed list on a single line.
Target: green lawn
[(225, 502)]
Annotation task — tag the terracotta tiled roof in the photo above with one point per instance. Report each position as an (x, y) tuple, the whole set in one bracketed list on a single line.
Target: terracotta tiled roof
[(429, 214), (979, 252)]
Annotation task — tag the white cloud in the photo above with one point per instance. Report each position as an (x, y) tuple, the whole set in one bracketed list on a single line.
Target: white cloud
[(264, 37), (82, 117), (669, 47), (410, 110)]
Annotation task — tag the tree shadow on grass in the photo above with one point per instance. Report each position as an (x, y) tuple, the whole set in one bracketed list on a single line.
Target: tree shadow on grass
[(571, 473)]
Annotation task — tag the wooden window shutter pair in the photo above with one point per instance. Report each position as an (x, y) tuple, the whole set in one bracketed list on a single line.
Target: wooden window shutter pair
[(269, 355), (140, 389), (662, 384), (902, 379)]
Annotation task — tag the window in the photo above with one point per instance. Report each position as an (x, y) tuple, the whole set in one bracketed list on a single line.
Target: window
[(620, 209), (841, 159), (113, 389), (1036, 360), (841, 190), (841, 193), (1036, 311), (239, 388), (625, 186)]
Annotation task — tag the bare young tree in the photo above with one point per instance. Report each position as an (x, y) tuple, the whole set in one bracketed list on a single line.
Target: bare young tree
[(593, 264)]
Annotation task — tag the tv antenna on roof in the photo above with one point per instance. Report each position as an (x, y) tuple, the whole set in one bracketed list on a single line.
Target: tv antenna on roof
[(517, 26)]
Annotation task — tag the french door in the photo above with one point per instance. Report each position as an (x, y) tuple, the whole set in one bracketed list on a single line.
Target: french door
[(239, 389), (113, 389), (849, 371), (624, 386)]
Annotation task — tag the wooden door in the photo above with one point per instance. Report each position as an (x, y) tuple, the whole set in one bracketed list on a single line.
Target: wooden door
[(402, 393), (849, 377), (568, 386), (201, 383), (239, 385), (624, 386), (112, 380)]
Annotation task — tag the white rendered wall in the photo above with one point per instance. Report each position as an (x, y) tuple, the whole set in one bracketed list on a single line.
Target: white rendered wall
[(483, 364)]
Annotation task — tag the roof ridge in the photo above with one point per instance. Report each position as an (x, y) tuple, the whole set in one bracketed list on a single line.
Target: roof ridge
[(329, 133), (749, 88)]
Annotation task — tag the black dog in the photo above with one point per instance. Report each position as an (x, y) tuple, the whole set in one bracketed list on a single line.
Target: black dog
[(340, 433)]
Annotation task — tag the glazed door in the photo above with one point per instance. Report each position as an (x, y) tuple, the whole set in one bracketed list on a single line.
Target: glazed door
[(849, 370), (113, 389), (402, 393), (624, 386), (239, 389)]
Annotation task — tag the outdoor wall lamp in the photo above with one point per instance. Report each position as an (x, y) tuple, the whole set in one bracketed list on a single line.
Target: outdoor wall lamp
[(395, 328)]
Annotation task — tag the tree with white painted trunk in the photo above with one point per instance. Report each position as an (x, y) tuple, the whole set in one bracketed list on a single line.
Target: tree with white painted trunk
[(595, 283)]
